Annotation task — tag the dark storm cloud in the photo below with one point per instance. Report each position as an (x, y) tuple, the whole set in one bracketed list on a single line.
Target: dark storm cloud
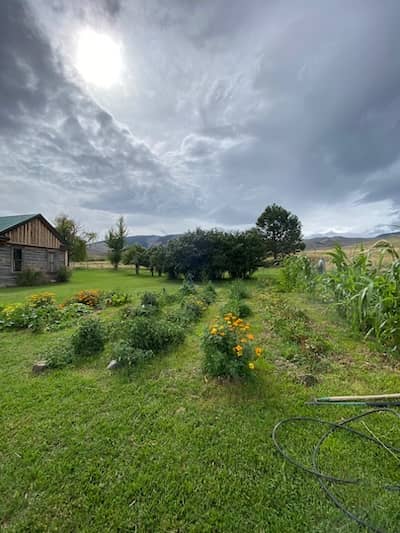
[(53, 133), (225, 106)]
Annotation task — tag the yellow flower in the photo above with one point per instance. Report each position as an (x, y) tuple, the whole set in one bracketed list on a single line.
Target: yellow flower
[(222, 334), (258, 351), (251, 366), (213, 331), (243, 340)]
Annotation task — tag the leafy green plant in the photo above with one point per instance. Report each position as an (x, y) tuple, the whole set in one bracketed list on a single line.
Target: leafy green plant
[(156, 334), (114, 298), (209, 294), (150, 298), (59, 354), (237, 307), (187, 288), (30, 277), (238, 291), (299, 273), (193, 308), (91, 298), (42, 299), (128, 356), (89, 337), (141, 310), (229, 349), (63, 274), (15, 316)]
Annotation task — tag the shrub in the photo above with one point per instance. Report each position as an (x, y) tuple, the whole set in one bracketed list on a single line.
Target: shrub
[(238, 308), (63, 274), (30, 277), (238, 291), (128, 356), (155, 334), (114, 298), (187, 288), (91, 298), (192, 308), (209, 294), (89, 337), (150, 298), (167, 298), (15, 316), (229, 349), (42, 299), (141, 310), (37, 315), (59, 355), (46, 317)]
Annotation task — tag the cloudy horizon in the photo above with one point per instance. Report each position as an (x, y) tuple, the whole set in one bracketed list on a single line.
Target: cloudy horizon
[(182, 114)]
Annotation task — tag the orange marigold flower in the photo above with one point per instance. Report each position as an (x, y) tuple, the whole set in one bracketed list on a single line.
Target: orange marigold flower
[(250, 336), (258, 351)]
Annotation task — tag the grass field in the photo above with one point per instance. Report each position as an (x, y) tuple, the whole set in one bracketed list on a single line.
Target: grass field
[(106, 279), (164, 449)]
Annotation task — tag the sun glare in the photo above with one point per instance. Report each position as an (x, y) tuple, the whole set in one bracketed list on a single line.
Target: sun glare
[(98, 58)]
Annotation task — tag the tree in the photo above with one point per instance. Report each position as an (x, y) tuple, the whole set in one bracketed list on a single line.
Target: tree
[(90, 237), (69, 231), (245, 253), (135, 255), (281, 231), (115, 240), (158, 256), (210, 254)]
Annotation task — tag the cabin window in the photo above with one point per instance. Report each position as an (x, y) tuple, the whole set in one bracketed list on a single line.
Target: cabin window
[(17, 259), (51, 261)]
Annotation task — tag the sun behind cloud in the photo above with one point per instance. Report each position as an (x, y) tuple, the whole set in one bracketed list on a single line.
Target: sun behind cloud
[(98, 58)]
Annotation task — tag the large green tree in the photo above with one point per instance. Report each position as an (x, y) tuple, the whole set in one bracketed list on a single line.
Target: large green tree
[(281, 231), (115, 240), (157, 258), (135, 255), (69, 231), (211, 254)]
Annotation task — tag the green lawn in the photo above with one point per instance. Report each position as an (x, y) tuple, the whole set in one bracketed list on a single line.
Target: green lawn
[(82, 449), (106, 279)]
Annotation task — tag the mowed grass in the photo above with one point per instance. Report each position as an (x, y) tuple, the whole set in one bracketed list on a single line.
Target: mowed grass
[(163, 449), (107, 279)]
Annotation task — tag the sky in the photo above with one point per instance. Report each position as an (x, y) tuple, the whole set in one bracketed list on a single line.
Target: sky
[(185, 113)]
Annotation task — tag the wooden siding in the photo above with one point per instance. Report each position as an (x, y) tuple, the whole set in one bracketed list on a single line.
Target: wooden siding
[(34, 233), (32, 257)]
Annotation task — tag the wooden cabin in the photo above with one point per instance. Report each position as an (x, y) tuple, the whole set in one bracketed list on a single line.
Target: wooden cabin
[(29, 242)]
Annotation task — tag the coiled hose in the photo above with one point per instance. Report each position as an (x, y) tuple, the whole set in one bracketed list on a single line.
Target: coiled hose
[(326, 478)]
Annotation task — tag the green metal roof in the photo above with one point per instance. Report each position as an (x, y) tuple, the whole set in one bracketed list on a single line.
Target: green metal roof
[(7, 223)]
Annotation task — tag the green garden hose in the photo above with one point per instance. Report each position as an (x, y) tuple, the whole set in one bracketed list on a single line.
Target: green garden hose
[(325, 478)]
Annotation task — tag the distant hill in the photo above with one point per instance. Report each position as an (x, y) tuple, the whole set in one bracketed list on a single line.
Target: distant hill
[(323, 242), (99, 249)]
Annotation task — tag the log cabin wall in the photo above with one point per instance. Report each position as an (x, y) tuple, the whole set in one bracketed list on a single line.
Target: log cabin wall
[(34, 258)]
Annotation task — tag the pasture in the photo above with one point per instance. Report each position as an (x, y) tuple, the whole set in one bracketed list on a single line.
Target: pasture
[(164, 448)]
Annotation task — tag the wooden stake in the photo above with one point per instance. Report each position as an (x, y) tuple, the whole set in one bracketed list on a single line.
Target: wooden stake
[(358, 398)]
